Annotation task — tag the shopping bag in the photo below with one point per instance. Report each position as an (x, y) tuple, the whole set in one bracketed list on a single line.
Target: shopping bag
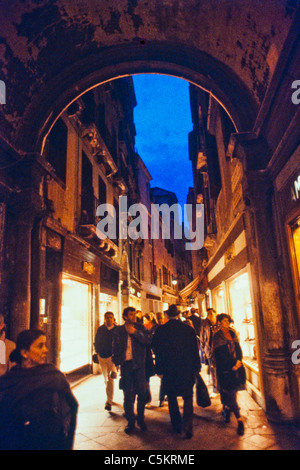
[(202, 394)]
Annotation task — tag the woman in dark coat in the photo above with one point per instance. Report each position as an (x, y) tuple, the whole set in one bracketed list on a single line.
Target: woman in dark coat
[(230, 370), (37, 408)]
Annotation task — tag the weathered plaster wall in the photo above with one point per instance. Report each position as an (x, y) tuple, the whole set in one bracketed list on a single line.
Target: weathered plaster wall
[(41, 39)]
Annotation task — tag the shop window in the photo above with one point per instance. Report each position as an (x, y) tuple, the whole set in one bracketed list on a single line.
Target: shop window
[(242, 314), (108, 303), (220, 300), (296, 248), (74, 333)]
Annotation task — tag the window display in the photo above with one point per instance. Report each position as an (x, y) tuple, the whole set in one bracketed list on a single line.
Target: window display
[(296, 243), (242, 314), (220, 300), (75, 334), (108, 303)]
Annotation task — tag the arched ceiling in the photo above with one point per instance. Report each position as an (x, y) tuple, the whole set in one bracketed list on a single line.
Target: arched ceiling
[(52, 51)]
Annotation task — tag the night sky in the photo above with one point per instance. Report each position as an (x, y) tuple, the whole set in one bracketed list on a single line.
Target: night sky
[(163, 120)]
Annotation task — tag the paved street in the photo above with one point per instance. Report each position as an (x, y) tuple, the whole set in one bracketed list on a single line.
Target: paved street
[(98, 429)]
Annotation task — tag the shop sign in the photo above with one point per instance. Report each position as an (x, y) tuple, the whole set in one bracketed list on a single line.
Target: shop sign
[(229, 255), (296, 190), (88, 268)]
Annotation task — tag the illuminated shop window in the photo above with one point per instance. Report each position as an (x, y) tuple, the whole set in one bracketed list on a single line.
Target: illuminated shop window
[(296, 242), (75, 336), (220, 300), (242, 314)]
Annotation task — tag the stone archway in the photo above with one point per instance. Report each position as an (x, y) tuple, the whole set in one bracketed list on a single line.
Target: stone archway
[(52, 52)]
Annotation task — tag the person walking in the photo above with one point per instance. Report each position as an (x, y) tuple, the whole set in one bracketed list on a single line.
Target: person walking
[(208, 329), (230, 370), (161, 320), (6, 348), (177, 363), (37, 408), (103, 347), (149, 364), (129, 351), (195, 319)]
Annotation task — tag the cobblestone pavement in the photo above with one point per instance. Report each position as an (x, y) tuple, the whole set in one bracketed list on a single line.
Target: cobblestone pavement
[(98, 429)]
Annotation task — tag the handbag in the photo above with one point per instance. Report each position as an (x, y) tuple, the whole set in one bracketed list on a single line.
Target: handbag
[(95, 359), (202, 394), (241, 378)]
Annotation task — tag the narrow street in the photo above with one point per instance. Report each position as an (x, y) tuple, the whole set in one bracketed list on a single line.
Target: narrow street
[(150, 171), (99, 430)]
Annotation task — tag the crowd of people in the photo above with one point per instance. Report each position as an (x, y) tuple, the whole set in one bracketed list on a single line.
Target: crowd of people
[(172, 345), (39, 411)]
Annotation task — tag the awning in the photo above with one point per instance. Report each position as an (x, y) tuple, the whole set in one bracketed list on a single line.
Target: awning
[(190, 288)]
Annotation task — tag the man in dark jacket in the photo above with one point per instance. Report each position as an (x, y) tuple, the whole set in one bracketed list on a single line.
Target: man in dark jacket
[(103, 347), (129, 351), (177, 362), (195, 319)]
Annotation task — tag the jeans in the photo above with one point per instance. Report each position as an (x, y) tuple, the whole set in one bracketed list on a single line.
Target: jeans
[(133, 384), (228, 399)]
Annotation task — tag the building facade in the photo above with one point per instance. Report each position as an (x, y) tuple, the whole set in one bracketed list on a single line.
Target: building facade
[(244, 213)]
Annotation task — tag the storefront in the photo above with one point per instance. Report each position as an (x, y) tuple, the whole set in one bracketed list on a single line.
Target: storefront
[(234, 297), (79, 309), (230, 291), (288, 199)]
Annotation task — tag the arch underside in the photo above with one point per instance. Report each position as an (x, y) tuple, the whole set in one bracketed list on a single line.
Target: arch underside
[(52, 52), (123, 61)]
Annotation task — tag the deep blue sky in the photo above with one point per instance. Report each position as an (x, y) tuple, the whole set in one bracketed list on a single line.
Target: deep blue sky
[(163, 120)]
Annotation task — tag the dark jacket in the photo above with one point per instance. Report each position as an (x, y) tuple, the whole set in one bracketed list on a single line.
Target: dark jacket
[(103, 341), (176, 356), (226, 353), (140, 340), (206, 338), (37, 408), (196, 323)]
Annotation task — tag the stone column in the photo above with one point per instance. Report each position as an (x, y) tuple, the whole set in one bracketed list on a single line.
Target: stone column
[(27, 206), (275, 360), (20, 310)]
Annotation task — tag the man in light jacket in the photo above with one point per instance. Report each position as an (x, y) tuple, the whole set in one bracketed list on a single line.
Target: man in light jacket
[(103, 347)]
